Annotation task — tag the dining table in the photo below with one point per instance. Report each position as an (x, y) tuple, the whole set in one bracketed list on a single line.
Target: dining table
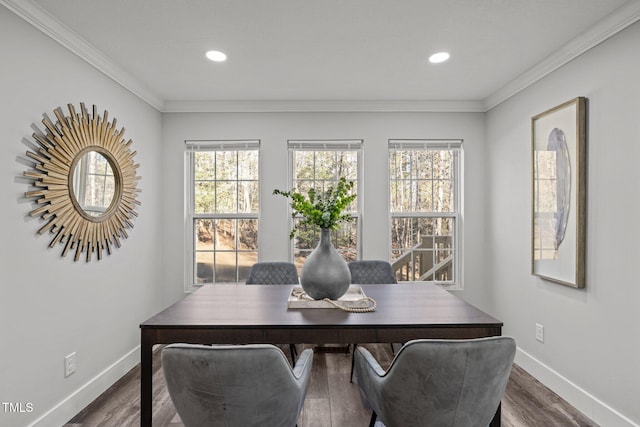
[(244, 314)]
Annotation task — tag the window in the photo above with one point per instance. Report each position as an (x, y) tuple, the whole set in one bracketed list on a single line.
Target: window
[(319, 165), (222, 207), (424, 186)]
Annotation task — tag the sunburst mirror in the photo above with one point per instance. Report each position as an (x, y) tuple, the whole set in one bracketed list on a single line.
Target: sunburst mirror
[(84, 180)]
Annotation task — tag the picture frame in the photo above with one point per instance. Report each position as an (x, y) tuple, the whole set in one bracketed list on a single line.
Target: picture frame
[(558, 187)]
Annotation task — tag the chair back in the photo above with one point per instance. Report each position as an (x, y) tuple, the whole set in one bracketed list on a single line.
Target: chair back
[(235, 386), (371, 272), (441, 382), (273, 273)]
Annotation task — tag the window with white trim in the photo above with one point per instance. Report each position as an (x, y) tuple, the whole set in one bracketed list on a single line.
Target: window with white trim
[(424, 189), (319, 165), (222, 210)]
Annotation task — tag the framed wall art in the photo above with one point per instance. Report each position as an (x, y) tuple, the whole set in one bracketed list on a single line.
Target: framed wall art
[(559, 193)]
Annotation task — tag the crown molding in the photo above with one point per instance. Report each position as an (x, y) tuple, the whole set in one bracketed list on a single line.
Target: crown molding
[(31, 12), (35, 15), (612, 24), (316, 106)]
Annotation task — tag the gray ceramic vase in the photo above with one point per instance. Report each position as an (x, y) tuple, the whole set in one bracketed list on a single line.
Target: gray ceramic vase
[(325, 274)]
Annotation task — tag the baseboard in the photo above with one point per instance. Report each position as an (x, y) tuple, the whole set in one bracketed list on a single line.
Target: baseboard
[(79, 399), (601, 413)]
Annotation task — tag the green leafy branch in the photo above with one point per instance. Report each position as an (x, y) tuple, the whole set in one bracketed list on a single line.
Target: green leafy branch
[(323, 209)]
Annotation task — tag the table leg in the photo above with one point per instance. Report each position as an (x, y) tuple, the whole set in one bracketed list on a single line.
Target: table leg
[(146, 379), (495, 422)]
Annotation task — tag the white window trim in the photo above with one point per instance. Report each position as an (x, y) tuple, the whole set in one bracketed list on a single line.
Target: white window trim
[(192, 146), (431, 144), (329, 145)]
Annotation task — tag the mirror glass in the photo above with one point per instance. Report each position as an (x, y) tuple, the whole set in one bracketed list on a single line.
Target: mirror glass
[(93, 183)]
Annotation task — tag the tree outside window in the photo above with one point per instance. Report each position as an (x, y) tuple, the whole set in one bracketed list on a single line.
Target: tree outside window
[(223, 210), (424, 178), (319, 165)]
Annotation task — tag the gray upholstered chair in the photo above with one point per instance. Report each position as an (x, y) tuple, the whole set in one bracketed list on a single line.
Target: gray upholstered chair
[(274, 273), (438, 382), (236, 385), (369, 272)]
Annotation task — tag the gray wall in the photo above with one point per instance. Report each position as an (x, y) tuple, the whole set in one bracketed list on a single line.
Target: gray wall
[(274, 129), (51, 306), (591, 353)]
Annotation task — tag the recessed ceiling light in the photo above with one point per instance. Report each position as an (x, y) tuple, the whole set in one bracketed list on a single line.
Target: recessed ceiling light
[(216, 56), (439, 57)]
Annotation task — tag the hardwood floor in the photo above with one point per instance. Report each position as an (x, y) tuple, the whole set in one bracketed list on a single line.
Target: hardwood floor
[(331, 400)]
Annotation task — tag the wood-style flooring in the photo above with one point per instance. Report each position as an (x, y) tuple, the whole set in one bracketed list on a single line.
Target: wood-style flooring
[(331, 400)]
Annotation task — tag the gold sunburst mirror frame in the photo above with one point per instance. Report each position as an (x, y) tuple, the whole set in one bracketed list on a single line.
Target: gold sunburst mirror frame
[(75, 145)]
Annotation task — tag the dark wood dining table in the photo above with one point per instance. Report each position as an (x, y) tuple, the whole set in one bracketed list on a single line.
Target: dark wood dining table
[(241, 314)]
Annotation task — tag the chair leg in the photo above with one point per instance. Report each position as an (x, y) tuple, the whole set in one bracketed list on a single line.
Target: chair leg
[(353, 361), (294, 353), (372, 423)]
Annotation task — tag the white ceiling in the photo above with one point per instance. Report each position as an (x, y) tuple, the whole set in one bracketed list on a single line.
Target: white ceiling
[(331, 51)]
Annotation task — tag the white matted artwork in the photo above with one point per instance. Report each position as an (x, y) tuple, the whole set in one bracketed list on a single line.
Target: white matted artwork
[(559, 193)]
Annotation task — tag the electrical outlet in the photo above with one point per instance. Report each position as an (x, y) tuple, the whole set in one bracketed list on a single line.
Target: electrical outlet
[(539, 332), (69, 364)]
